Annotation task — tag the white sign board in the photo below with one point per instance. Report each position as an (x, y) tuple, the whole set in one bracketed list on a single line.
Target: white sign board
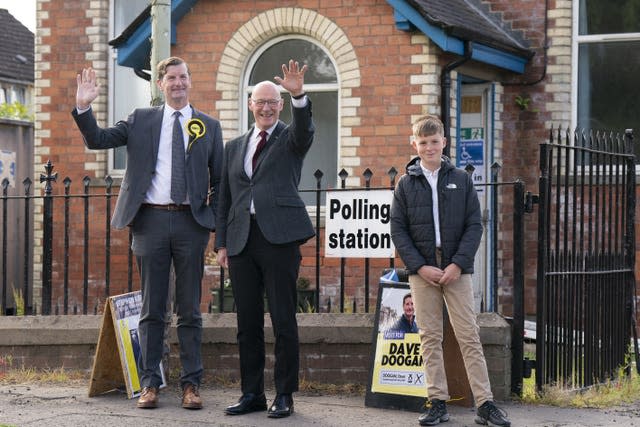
[(357, 224)]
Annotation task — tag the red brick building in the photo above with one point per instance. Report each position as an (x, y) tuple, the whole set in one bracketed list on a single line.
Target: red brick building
[(377, 65)]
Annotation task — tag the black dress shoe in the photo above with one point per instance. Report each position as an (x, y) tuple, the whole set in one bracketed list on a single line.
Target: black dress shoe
[(281, 407), (249, 402)]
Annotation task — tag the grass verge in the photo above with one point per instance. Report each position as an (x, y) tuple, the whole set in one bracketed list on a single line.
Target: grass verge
[(43, 376), (625, 389)]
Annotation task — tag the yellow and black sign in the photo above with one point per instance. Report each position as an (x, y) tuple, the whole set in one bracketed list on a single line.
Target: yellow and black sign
[(117, 358)]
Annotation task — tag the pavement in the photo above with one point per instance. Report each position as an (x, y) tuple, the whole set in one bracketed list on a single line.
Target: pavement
[(69, 405)]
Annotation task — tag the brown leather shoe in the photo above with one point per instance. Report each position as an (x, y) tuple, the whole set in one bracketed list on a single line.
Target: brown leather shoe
[(148, 398), (191, 397)]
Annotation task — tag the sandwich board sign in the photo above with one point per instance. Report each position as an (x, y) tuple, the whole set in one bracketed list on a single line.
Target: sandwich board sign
[(397, 376), (118, 356)]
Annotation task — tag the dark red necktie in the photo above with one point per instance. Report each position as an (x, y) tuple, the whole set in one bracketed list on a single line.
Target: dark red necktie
[(259, 148)]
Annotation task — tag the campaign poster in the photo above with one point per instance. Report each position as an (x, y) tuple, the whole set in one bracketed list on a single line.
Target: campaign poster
[(397, 377), (125, 310), (357, 224)]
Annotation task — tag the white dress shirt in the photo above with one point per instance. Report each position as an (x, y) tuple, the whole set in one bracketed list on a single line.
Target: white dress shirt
[(159, 191), (432, 178)]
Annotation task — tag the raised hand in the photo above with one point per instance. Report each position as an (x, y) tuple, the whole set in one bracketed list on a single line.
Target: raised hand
[(292, 78), (88, 88)]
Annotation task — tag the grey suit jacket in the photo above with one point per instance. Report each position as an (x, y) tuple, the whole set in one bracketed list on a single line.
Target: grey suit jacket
[(141, 135), (280, 212)]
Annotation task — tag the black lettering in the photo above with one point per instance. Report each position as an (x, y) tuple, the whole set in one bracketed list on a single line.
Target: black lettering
[(385, 240), (333, 241), (346, 212), (334, 207), (374, 241), (393, 348), (385, 213)]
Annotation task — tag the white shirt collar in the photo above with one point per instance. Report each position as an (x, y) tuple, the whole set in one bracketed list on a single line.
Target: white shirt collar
[(269, 131), (186, 111), (429, 173)]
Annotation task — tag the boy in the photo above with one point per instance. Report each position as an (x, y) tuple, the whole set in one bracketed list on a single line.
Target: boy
[(436, 227)]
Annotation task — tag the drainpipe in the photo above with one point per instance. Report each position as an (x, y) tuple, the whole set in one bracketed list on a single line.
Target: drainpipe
[(445, 87)]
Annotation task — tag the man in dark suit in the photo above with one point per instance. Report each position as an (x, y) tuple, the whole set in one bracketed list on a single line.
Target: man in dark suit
[(262, 221), (166, 198)]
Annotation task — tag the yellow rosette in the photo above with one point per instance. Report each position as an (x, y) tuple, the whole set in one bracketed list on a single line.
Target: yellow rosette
[(195, 129)]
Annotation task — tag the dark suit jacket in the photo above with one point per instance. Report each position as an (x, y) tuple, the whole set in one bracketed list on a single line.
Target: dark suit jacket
[(141, 134), (280, 212)]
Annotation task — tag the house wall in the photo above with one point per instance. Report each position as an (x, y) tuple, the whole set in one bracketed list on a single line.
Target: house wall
[(387, 78)]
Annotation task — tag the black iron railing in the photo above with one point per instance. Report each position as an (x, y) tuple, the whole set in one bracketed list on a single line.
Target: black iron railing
[(586, 258), (77, 252), (79, 244)]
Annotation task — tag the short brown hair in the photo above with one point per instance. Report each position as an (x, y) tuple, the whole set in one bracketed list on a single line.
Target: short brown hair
[(404, 299), (428, 125), (172, 60)]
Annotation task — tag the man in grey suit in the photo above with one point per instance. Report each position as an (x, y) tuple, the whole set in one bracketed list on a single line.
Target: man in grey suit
[(166, 199), (262, 221)]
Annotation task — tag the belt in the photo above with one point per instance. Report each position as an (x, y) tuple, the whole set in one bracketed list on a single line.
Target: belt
[(169, 207)]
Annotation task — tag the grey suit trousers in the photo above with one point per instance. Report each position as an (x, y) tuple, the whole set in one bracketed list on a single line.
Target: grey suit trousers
[(159, 238)]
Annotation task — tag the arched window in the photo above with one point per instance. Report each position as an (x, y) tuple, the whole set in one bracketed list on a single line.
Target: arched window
[(321, 85)]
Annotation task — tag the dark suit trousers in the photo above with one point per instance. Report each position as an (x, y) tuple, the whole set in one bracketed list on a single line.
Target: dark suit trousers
[(160, 238), (260, 267)]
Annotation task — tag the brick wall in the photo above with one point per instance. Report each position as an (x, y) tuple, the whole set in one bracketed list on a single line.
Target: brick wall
[(334, 348)]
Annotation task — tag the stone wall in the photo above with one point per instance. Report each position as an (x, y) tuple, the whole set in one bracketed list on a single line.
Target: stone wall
[(334, 348)]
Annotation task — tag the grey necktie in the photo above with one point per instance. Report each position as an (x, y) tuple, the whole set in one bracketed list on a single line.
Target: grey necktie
[(178, 181)]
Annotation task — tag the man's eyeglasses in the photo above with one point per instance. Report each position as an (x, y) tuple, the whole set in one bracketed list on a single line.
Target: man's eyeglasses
[(263, 102)]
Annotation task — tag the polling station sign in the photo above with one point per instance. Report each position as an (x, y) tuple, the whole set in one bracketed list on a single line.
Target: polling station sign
[(357, 224)]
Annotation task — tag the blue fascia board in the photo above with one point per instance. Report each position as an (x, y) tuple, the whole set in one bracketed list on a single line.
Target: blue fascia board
[(407, 18), (136, 51)]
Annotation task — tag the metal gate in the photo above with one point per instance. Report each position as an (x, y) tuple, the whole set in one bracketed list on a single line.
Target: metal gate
[(586, 258)]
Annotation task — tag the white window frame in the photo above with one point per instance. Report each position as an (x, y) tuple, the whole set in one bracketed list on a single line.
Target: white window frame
[(245, 89), (112, 63), (578, 40)]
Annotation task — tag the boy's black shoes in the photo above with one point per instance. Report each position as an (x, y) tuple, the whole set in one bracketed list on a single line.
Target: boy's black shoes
[(489, 413), (436, 413)]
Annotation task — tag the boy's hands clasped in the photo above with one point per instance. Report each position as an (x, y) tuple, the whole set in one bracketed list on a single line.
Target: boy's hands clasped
[(437, 277)]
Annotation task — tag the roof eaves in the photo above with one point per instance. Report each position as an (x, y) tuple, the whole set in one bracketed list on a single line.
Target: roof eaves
[(134, 43), (451, 39)]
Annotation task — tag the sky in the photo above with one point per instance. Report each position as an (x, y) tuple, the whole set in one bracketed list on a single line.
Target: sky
[(23, 10)]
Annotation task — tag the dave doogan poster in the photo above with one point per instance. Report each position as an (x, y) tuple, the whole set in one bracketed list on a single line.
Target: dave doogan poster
[(397, 374), (398, 363)]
